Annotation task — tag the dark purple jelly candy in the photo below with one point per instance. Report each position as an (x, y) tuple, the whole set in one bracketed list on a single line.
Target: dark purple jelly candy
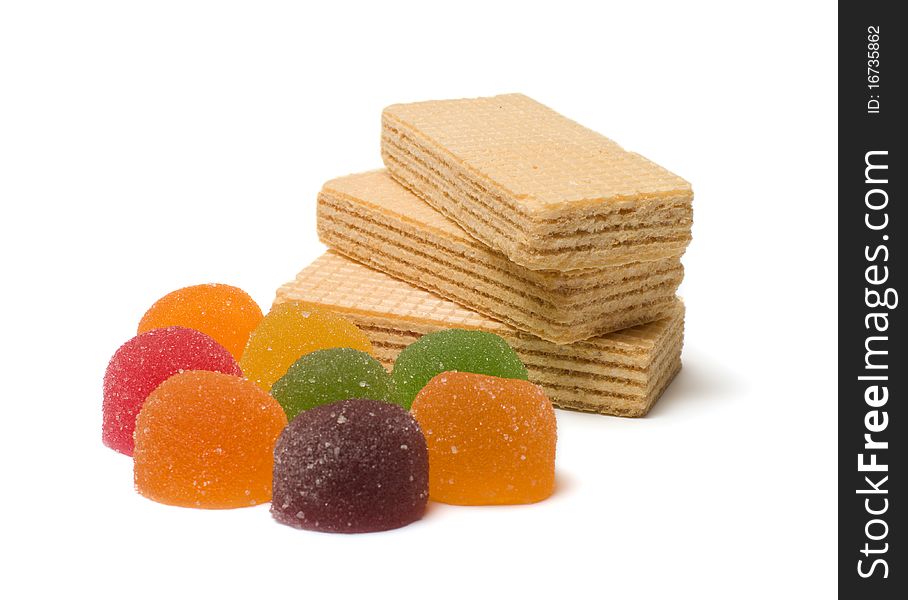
[(351, 467)]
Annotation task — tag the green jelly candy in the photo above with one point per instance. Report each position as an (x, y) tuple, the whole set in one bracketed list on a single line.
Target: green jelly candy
[(327, 376), (451, 350)]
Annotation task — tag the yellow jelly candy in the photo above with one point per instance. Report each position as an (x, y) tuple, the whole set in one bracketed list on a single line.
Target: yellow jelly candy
[(291, 330)]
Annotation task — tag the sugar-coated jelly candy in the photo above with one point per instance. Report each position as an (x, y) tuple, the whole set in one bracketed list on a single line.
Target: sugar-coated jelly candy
[(206, 440), (226, 313), (291, 330), (143, 363), (452, 350), (491, 440), (350, 467), (326, 376)]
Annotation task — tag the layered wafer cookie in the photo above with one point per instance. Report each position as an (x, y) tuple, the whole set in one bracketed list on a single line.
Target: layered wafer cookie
[(376, 221), (540, 188), (621, 373)]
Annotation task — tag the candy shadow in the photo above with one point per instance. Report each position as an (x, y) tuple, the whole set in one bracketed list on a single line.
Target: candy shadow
[(565, 483)]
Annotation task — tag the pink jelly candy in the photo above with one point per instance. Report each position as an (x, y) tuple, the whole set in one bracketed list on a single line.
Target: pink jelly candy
[(142, 364)]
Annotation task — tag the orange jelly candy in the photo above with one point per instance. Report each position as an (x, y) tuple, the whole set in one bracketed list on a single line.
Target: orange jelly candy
[(491, 440), (206, 440), (225, 313), (291, 330)]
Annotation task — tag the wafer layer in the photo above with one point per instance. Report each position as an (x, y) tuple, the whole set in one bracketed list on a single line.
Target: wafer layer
[(371, 218), (540, 188), (622, 373)]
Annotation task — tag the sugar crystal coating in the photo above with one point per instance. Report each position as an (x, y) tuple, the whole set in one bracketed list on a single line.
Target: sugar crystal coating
[(452, 350), (326, 376), (291, 330), (206, 440), (142, 364), (490, 440), (226, 313), (351, 467)]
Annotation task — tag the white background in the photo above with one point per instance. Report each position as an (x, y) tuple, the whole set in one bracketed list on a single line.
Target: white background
[(144, 147)]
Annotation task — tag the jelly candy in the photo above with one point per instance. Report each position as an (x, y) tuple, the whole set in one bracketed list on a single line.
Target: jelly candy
[(143, 363), (224, 312), (350, 467), (291, 330), (326, 376), (206, 440), (451, 350), (491, 440)]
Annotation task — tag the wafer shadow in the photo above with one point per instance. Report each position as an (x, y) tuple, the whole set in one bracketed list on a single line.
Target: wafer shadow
[(700, 383)]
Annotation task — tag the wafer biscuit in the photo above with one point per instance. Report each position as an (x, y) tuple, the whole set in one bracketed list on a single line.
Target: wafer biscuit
[(372, 219), (540, 188), (622, 373)]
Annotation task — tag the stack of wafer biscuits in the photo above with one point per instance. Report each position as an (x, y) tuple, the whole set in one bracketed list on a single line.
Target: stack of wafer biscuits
[(621, 373), (371, 218), (501, 215), (545, 191)]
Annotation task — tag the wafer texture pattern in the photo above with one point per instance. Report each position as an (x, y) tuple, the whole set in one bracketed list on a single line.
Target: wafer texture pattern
[(374, 220), (622, 373), (540, 188)]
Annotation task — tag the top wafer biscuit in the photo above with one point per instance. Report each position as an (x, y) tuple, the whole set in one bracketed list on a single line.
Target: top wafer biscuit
[(542, 189)]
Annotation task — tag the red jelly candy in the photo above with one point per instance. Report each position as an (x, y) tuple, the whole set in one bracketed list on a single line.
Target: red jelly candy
[(142, 364)]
